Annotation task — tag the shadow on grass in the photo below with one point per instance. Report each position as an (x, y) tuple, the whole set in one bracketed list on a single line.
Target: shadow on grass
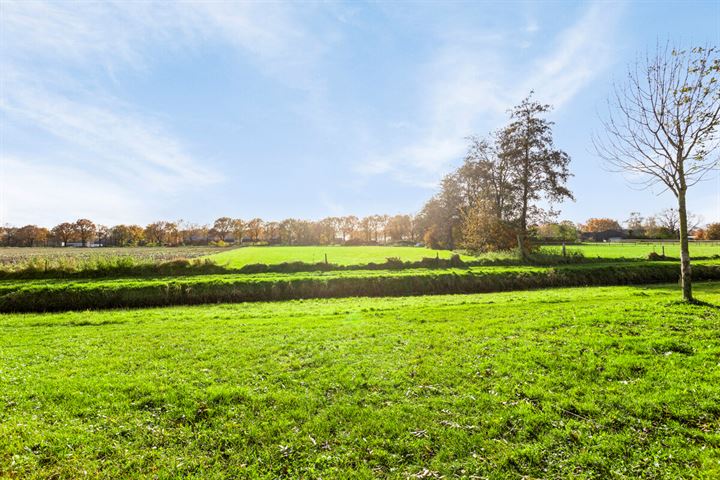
[(694, 302), (702, 303)]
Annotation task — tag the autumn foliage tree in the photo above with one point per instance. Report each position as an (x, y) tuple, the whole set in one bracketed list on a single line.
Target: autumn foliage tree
[(595, 225), (85, 230), (222, 227), (712, 231), (63, 232)]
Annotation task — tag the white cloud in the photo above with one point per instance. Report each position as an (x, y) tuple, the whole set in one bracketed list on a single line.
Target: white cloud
[(579, 54), (40, 194), (53, 58), (124, 145), (119, 34), (474, 79)]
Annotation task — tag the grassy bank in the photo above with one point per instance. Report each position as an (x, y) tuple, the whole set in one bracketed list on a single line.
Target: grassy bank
[(606, 382), (58, 295)]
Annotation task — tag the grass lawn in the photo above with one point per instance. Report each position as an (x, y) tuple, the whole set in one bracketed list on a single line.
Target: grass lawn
[(638, 250), (613, 382), (339, 255)]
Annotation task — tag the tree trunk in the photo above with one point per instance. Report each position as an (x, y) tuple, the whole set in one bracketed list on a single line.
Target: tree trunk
[(523, 214), (685, 276)]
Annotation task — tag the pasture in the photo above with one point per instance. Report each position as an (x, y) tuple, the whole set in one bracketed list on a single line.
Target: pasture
[(638, 250), (605, 382), (339, 255)]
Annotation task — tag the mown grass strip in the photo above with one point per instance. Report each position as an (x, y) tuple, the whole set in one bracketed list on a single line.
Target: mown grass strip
[(133, 293)]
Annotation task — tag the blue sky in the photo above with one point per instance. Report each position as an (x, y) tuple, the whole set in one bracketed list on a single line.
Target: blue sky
[(130, 112)]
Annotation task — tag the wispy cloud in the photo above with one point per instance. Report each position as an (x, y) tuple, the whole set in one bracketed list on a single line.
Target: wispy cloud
[(33, 193), (99, 140), (125, 145), (474, 79)]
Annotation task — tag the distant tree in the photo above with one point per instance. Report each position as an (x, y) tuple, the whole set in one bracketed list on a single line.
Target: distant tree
[(121, 235), (444, 212), (9, 235), (564, 231), (380, 224), (595, 225), (222, 227), (272, 232), (366, 226), (712, 231), (670, 220), (415, 229), (325, 231), (63, 232), (601, 225), (538, 171), (135, 235), (155, 233), (635, 225), (172, 233), (662, 127), (286, 231), (654, 229), (431, 238), (194, 234), (441, 218), (348, 225), (85, 230), (255, 229), (102, 234), (399, 227), (31, 236), (238, 230)]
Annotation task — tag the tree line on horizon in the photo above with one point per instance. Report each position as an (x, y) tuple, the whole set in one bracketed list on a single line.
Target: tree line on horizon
[(345, 230)]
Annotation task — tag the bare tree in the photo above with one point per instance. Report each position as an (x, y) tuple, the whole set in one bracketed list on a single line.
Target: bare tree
[(661, 127), (669, 219)]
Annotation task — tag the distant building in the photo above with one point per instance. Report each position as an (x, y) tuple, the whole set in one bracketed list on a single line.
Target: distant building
[(604, 236)]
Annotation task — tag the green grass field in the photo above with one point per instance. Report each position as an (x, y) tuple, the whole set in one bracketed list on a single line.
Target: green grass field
[(339, 255), (638, 250), (613, 382)]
